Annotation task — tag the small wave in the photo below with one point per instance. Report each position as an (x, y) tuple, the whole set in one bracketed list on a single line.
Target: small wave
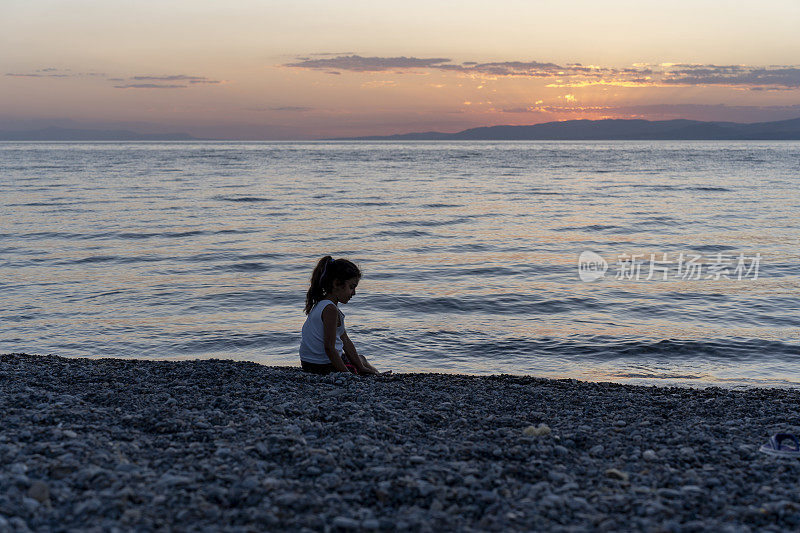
[(244, 267), (246, 199), (473, 247), (712, 248), (89, 260), (42, 204), (18, 318), (62, 210), (710, 189), (265, 255), (371, 204), (240, 299), (428, 223), (123, 235), (592, 227), (605, 349), (232, 231), (405, 233), (113, 259), (655, 375), (167, 234), (499, 304), (703, 297), (214, 341), (180, 234), (652, 187), (209, 257), (660, 221), (664, 187), (53, 235)]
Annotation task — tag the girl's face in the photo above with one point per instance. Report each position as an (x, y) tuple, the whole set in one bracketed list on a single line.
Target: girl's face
[(344, 290)]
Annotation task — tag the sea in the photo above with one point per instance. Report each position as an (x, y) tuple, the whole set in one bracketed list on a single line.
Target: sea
[(647, 262)]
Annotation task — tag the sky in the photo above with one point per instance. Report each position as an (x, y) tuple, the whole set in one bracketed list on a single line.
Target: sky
[(303, 69)]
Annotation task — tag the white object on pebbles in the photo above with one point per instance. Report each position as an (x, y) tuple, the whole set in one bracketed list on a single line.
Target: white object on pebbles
[(615, 473), (538, 431)]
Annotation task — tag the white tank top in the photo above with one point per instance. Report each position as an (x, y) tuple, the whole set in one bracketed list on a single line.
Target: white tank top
[(312, 341)]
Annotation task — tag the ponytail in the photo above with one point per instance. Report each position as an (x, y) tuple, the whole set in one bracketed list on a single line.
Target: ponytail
[(323, 276)]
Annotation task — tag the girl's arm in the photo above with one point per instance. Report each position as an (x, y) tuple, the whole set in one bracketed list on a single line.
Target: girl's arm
[(358, 361), (329, 318)]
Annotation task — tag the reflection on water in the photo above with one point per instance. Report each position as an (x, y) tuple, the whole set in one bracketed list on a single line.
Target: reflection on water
[(469, 252)]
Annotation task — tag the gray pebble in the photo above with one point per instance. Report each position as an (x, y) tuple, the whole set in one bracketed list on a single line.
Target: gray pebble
[(39, 491), (371, 524), (649, 455), (190, 445), (344, 522)]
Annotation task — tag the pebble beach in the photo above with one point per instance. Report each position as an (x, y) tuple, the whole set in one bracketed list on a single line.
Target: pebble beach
[(92, 444)]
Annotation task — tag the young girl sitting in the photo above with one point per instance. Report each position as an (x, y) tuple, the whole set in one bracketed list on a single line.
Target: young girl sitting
[(324, 337)]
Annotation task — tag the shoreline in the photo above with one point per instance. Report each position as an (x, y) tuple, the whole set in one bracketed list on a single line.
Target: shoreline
[(681, 381), (227, 445)]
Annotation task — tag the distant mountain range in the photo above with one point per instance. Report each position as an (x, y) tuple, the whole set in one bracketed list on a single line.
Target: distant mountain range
[(569, 130), (67, 134), (580, 130)]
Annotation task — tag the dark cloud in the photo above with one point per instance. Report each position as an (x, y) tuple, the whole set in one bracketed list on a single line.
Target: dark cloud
[(771, 88), (508, 68), (37, 75), (179, 81), (328, 54), (295, 108), (175, 77), (49, 72), (52, 72), (714, 68), (778, 77), (149, 86), (169, 81), (518, 110), (775, 77), (356, 63), (334, 73)]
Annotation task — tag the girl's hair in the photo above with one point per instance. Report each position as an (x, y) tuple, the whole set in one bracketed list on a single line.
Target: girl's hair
[(326, 271)]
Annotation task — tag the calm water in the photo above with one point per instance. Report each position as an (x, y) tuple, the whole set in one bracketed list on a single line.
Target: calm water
[(469, 251)]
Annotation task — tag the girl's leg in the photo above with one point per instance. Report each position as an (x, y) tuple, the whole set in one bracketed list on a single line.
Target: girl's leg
[(315, 368), (350, 366)]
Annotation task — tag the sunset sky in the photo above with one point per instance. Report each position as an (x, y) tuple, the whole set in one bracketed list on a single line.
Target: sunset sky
[(258, 69)]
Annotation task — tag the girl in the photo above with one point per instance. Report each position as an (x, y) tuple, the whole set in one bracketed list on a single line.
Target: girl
[(324, 337)]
